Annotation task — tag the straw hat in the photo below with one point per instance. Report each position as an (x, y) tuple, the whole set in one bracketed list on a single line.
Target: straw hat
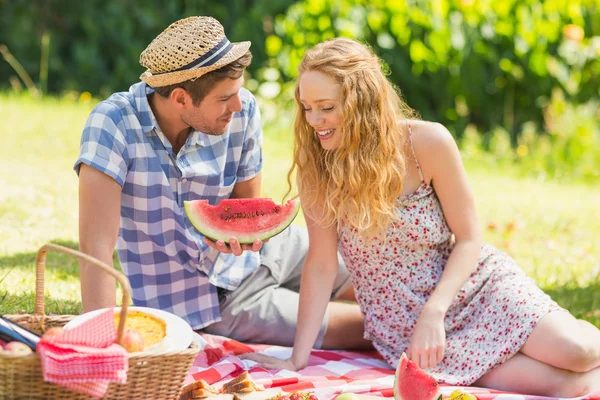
[(188, 49)]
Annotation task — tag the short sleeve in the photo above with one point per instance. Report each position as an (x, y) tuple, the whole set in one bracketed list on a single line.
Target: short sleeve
[(251, 157), (103, 145)]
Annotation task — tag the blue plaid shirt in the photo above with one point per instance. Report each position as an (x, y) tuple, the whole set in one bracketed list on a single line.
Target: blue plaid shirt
[(168, 265)]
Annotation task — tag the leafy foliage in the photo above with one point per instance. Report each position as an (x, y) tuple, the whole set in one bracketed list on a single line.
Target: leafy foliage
[(95, 45), (460, 62), (568, 147), (516, 81)]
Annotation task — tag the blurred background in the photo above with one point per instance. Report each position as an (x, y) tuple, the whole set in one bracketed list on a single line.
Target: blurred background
[(516, 82), (513, 75)]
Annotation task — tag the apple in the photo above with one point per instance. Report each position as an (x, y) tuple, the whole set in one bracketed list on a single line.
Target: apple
[(54, 331), (132, 341), (17, 347)]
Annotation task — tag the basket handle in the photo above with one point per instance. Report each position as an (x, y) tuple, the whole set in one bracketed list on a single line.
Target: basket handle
[(40, 267)]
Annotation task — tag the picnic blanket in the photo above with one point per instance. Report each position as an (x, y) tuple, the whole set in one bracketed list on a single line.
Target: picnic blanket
[(328, 374)]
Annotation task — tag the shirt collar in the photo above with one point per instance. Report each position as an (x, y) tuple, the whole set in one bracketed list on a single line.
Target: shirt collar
[(204, 140), (140, 92)]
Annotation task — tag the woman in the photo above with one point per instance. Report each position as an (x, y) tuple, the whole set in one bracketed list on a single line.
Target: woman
[(392, 193)]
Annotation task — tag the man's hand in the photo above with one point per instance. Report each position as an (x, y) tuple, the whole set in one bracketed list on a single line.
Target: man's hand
[(269, 362), (234, 246)]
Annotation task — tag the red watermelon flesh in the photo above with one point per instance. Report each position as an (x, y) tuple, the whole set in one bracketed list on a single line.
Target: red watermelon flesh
[(244, 219), (412, 383)]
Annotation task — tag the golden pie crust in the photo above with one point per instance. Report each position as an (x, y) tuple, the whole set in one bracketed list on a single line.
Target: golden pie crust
[(152, 329)]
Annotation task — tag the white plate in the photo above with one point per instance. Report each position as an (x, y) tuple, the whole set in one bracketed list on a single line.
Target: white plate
[(178, 336)]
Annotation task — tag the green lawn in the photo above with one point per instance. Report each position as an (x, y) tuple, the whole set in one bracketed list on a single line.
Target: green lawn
[(549, 228)]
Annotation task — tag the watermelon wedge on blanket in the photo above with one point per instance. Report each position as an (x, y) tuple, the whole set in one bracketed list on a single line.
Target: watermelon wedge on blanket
[(412, 383), (244, 219)]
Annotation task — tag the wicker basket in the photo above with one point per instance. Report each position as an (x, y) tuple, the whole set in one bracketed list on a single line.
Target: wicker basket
[(151, 376)]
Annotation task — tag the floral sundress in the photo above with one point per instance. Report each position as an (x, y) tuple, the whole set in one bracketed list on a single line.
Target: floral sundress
[(490, 319)]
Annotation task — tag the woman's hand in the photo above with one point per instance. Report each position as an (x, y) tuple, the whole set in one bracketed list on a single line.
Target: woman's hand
[(269, 362), (428, 340)]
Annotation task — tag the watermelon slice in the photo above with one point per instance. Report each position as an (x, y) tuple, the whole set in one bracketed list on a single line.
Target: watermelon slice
[(412, 383), (244, 219)]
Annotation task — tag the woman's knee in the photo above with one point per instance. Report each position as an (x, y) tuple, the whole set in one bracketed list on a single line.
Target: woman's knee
[(527, 375), (574, 384), (582, 355), (564, 343)]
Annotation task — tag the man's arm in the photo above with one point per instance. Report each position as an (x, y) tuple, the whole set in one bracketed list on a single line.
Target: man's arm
[(247, 189), (99, 214)]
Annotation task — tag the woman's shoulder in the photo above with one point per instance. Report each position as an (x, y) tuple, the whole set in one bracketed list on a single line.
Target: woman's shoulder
[(429, 137), (432, 143), (428, 131)]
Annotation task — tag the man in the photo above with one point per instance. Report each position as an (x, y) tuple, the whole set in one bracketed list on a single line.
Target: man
[(190, 131)]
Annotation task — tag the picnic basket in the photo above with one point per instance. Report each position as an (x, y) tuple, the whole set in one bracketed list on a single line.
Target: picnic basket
[(158, 375)]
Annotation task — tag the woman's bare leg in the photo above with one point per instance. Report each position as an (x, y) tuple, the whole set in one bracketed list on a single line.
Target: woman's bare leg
[(561, 340), (348, 295), (345, 328), (525, 375)]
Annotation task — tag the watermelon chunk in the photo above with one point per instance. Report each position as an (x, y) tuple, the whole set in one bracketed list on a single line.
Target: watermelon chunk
[(412, 383), (244, 219)]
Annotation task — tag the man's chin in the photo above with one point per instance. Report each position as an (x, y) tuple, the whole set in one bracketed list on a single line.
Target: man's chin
[(214, 131)]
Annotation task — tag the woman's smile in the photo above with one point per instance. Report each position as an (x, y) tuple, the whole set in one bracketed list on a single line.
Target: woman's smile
[(325, 134)]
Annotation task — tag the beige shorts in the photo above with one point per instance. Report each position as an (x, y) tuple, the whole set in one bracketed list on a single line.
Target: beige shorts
[(264, 308)]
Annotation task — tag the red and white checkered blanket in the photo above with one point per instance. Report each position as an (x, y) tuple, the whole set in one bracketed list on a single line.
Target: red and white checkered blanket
[(328, 374)]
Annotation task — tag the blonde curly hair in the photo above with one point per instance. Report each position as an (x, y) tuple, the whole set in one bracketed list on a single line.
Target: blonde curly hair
[(358, 183)]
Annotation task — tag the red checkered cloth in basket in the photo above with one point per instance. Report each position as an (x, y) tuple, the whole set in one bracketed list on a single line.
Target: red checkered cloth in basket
[(328, 374), (86, 357)]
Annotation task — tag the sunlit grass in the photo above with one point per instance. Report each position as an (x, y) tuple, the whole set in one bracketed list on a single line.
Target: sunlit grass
[(549, 228)]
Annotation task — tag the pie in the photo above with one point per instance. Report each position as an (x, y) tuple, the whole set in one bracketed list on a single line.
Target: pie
[(152, 329)]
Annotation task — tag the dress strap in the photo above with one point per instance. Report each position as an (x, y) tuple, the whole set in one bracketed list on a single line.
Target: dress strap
[(412, 148)]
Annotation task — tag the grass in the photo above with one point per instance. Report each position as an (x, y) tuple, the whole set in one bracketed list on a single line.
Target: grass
[(548, 227)]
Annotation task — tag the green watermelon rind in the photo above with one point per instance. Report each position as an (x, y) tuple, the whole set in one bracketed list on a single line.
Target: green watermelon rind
[(214, 234)]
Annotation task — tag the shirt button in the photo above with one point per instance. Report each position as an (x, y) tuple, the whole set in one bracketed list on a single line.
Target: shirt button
[(184, 180)]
